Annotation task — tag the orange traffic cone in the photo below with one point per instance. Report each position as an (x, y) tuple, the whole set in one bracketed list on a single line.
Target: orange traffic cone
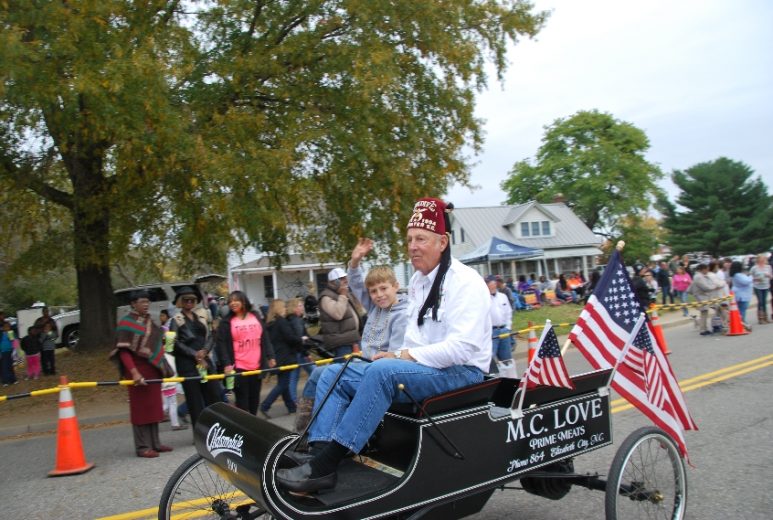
[(532, 342), (69, 451), (658, 331), (736, 325)]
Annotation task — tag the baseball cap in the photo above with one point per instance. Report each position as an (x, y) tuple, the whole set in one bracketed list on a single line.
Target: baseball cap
[(335, 274)]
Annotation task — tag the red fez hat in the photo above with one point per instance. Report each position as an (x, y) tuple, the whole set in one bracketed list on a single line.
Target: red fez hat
[(429, 214)]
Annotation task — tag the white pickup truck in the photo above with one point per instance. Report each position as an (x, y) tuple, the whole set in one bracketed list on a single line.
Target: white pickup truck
[(161, 297)]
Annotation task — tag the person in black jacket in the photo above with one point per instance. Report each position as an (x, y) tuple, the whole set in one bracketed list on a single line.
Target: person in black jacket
[(192, 346), (243, 344), (287, 345), (663, 277), (640, 286), (32, 347)]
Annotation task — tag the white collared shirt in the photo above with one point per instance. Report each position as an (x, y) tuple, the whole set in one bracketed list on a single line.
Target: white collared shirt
[(462, 334), (501, 310)]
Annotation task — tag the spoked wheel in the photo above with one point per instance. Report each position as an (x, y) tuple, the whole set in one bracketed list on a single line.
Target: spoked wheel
[(196, 490), (647, 478)]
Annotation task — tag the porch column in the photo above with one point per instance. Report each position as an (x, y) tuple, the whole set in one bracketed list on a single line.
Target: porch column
[(512, 269), (584, 267), (555, 266), (276, 285)]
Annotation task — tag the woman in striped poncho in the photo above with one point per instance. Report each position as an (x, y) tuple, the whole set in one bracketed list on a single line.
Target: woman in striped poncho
[(140, 355)]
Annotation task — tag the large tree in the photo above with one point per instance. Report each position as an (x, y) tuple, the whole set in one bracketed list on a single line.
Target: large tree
[(595, 162), (721, 209), (273, 123)]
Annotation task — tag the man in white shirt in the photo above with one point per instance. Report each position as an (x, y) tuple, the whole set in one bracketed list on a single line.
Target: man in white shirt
[(447, 345), (501, 320)]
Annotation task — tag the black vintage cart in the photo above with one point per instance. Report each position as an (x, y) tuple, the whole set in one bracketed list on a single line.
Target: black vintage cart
[(441, 459)]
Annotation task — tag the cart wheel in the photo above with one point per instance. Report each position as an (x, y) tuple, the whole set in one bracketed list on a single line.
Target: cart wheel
[(647, 478), (196, 490)]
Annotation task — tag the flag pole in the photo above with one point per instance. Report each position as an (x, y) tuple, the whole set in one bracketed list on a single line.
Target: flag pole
[(520, 393), (566, 346)]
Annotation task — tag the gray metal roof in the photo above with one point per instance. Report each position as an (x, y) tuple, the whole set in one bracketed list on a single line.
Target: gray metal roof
[(480, 224)]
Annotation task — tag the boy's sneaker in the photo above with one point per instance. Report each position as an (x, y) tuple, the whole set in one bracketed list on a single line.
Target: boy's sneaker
[(706, 333)]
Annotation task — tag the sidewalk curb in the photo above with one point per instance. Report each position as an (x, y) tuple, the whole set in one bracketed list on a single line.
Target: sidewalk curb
[(51, 426)]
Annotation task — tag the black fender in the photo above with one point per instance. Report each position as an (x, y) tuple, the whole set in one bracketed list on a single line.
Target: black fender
[(237, 443)]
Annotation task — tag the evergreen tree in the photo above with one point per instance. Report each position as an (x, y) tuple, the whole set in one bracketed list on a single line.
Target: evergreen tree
[(726, 211)]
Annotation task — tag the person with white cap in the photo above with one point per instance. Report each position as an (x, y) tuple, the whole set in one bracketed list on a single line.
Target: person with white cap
[(447, 345), (340, 314)]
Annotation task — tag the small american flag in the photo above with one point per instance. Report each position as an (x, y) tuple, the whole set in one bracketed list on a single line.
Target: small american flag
[(548, 366), (642, 360)]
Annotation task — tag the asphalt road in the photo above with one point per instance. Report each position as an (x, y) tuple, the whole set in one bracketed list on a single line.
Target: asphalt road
[(732, 454)]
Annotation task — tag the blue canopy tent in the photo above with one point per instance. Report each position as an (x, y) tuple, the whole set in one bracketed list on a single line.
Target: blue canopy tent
[(498, 250)]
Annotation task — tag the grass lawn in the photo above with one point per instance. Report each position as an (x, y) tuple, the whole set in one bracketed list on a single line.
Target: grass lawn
[(566, 314)]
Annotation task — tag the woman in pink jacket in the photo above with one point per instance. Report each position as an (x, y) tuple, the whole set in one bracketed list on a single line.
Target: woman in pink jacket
[(679, 284)]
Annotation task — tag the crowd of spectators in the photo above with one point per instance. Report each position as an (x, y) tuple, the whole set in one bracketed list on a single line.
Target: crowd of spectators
[(533, 291), (665, 282)]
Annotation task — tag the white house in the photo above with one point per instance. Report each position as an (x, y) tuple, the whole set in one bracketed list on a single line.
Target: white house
[(563, 242), (252, 273)]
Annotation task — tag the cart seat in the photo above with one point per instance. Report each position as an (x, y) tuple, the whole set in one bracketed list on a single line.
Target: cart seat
[(465, 397)]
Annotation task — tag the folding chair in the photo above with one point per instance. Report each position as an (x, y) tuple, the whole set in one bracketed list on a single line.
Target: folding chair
[(530, 297)]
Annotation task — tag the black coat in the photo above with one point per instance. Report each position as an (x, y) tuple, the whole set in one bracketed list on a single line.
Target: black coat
[(31, 344), (287, 343)]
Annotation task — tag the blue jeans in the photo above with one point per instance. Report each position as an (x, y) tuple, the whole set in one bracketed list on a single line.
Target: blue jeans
[(282, 388), (295, 375), (8, 374), (501, 347), (762, 300), (682, 295), (310, 388), (667, 293), (342, 350), (366, 390), (742, 306)]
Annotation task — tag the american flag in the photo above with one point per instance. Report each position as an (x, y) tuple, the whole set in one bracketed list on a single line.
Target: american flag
[(548, 367), (642, 360), (645, 377)]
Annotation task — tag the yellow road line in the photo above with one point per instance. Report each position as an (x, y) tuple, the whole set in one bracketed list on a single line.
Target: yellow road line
[(152, 512), (619, 405)]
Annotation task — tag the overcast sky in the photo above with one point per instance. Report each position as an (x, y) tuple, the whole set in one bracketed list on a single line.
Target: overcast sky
[(695, 76)]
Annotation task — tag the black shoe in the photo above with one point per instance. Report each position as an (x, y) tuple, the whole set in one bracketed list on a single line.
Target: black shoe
[(299, 479), (298, 457), (265, 414), (706, 333)]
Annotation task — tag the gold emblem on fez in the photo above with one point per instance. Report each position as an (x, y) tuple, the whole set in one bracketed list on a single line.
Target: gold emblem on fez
[(417, 216)]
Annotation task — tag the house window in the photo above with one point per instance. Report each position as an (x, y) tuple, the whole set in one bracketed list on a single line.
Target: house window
[(536, 228), (268, 286)]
